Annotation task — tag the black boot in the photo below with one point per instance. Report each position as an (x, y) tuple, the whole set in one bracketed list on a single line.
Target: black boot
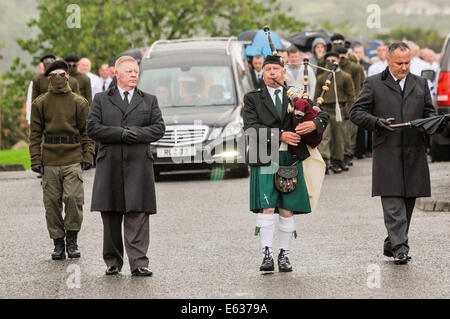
[(348, 160), (335, 167), (343, 166), (71, 244), (327, 166), (267, 263), (59, 251), (283, 262)]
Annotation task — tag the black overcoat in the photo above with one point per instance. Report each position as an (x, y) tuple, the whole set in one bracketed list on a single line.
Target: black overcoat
[(400, 166), (124, 179), (260, 114)]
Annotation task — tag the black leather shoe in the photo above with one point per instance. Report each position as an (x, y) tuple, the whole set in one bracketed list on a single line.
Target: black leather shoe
[(267, 263), (389, 253), (343, 166), (112, 271), (348, 160), (336, 168), (327, 166), (71, 244), (283, 262), (401, 259), (142, 271), (59, 251)]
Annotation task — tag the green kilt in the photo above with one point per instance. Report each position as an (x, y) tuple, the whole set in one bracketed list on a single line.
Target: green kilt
[(263, 193)]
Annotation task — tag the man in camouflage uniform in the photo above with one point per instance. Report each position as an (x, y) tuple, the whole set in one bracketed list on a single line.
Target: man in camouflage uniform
[(357, 73), (58, 117), (40, 81), (332, 146), (83, 80)]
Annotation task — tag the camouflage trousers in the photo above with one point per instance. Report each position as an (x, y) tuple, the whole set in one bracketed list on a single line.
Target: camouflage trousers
[(332, 145), (63, 185)]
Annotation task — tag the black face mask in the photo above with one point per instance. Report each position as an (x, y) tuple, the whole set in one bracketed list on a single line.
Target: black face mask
[(329, 65), (343, 62), (58, 82), (72, 69)]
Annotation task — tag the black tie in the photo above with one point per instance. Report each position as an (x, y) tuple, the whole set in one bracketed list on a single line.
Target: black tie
[(125, 100), (104, 86), (398, 82)]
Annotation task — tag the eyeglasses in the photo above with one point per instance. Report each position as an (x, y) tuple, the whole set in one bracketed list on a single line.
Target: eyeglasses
[(53, 74), (71, 63)]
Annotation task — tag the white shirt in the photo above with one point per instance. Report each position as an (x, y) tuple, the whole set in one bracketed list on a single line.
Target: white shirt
[(402, 81), (106, 81), (273, 95), (294, 77), (28, 103), (283, 146), (122, 96), (95, 83), (377, 67), (258, 74)]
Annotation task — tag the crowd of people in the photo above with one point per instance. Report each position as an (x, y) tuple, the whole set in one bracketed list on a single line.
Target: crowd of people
[(343, 141)]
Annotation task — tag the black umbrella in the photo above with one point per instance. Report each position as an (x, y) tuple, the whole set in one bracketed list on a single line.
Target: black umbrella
[(303, 40), (247, 35), (428, 125), (135, 53)]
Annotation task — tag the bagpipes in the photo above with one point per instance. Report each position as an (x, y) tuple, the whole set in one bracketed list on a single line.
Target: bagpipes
[(301, 106)]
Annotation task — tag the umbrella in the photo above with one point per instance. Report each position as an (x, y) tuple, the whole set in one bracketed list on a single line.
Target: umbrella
[(260, 44), (135, 53), (247, 35), (428, 125), (303, 40)]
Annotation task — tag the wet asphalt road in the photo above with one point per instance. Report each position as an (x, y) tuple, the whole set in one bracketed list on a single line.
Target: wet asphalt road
[(202, 246)]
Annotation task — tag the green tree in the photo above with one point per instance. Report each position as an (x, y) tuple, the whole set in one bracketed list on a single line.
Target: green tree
[(108, 27), (423, 37), (14, 90)]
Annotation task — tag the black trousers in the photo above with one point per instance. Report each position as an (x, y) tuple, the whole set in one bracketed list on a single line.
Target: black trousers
[(397, 218), (136, 234)]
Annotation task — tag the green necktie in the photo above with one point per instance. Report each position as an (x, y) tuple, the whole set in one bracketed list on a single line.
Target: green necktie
[(278, 103)]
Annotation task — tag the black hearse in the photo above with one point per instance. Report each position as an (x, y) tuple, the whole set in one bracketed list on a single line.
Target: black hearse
[(200, 85)]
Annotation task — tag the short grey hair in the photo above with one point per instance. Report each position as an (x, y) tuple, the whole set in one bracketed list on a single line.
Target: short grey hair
[(397, 45)]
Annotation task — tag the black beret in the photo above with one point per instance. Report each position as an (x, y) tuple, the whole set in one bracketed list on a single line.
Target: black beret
[(336, 37), (72, 58), (60, 64), (48, 56), (330, 54), (341, 50), (273, 59)]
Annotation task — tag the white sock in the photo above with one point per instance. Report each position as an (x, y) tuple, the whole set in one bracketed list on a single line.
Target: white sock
[(286, 228), (266, 224)]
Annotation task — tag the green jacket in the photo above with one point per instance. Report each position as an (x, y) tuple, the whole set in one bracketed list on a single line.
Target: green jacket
[(60, 113), (355, 72), (40, 85), (85, 84), (344, 86)]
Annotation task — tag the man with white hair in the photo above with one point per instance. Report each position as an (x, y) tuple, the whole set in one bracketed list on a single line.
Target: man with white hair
[(380, 65), (124, 121), (84, 66)]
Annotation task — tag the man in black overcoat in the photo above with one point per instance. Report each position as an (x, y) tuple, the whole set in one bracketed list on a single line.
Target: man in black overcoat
[(124, 121), (400, 169)]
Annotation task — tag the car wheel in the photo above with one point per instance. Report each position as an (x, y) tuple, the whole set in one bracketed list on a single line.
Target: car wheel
[(440, 152)]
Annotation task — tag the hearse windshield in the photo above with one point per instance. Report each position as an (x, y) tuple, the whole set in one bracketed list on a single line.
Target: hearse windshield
[(189, 80)]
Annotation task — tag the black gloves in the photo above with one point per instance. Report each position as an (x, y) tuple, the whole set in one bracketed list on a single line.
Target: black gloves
[(383, 125), (85, 166), (128, 136), (38, 168)]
